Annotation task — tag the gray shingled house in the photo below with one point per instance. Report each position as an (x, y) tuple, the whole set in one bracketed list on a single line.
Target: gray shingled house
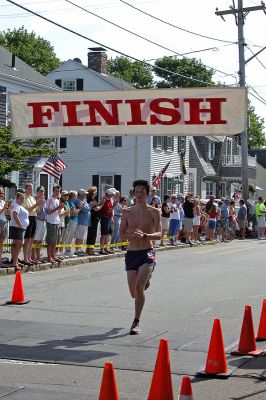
[(260, 155), (215, 164)]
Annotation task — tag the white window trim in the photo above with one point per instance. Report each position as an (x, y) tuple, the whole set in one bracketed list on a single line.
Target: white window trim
[(170, 148), (208, 193), (159, 146)]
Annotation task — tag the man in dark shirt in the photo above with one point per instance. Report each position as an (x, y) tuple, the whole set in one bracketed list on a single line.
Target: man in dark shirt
[(188, 220)]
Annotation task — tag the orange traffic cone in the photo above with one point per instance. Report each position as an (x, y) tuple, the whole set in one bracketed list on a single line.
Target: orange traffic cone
[(186, 389), (161, 385), (261, 335), (216, 360), (108, 389), (247, 342), (18, 292)]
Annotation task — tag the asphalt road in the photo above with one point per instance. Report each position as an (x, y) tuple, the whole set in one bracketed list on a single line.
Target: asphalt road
[(78, 317)]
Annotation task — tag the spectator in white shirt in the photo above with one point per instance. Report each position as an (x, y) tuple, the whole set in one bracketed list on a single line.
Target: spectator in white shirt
[(17, 228), (53, 209), (3, 222)]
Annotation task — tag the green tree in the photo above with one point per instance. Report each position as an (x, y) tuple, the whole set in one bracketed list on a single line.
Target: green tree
[(256, 134), (184, 69), (20, 155), (134, 72), (33, 50)]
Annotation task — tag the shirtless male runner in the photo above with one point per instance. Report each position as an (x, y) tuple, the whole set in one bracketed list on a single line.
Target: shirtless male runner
[(140, 225)]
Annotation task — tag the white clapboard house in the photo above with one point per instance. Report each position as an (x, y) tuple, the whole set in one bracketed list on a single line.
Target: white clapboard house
[(117, 161), (18, 77)]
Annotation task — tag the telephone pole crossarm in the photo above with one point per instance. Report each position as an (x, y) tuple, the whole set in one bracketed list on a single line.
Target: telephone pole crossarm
[(244, 10)]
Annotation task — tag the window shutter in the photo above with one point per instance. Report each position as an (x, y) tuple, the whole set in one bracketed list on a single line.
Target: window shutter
[(63, 143), (118, 141), (79, 84), (172, 142), (58, 82), (117, 182), (96, 141), (154, 142), (95, 182)]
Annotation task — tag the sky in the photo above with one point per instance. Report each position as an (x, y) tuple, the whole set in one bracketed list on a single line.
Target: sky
[(192, 15)]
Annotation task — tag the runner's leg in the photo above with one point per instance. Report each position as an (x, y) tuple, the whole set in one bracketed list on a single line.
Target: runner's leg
[(143, 276)]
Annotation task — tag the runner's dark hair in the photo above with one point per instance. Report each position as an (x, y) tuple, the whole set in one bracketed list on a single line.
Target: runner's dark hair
[(142, 182)]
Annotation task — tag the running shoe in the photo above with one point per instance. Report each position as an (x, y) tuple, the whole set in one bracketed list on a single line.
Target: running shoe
[(135, 329)]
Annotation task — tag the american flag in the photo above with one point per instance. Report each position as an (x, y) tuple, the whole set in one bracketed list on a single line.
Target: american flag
[(157, 180), (53, 166)]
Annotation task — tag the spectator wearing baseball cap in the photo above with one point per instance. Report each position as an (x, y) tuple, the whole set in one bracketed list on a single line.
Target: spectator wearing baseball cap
[(40, 231), (53, 208), (82, 191), (64, 221), (208, 206), (108, 203), (153, 194), (84, 220), (188, 208)]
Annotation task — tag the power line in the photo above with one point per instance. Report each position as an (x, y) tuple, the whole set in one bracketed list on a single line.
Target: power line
[(140, 36), (177, 27), (261, 63), (103, 45), (259, 96), (23, 15), (253, 95), (121, 27)]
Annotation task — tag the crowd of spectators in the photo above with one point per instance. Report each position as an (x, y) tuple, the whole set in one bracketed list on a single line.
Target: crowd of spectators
[(69, 222)]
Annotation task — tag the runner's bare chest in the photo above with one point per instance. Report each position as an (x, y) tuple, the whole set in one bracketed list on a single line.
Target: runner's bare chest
[(141, 219)]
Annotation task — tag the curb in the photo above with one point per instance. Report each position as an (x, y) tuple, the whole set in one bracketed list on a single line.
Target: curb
[(84, 260)]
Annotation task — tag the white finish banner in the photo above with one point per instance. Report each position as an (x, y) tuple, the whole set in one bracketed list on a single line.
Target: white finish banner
[(190, 111)]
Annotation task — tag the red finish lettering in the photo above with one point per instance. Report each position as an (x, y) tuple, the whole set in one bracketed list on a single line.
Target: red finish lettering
[(71, 107), (135, 106), (96, 105), (214, 110), (171, 112), (38, 113)]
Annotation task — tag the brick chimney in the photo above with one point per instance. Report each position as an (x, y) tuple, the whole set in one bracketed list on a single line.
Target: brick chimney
[(97, 59)]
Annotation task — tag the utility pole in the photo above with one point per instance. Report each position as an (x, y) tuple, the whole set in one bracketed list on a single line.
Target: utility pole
[(240, 14)]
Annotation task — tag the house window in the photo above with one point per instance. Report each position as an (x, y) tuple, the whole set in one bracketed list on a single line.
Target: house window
[(181, 144), (106, 182), (209, 188), (229, 151), (69, 85), (211, 150), (107, 141), (158, 142), (63, 143), (168, 143)]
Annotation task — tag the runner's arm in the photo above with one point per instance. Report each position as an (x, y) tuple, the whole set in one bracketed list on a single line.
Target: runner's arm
[(157, 227)]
